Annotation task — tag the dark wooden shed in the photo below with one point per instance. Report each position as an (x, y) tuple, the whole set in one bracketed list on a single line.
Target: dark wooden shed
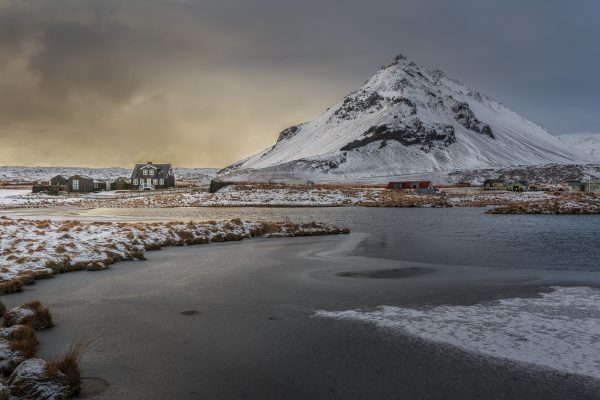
[(59, 180), (121, 183), (80, 184)]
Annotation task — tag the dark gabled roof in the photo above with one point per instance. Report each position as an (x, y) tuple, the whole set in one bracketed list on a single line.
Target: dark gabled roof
[(61, 176), (162, 170), (81, 176)]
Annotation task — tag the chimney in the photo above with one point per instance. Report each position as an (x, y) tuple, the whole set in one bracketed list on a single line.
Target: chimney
[(149, 163)]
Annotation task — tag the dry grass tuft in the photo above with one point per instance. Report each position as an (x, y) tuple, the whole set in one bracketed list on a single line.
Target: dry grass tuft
[(138, 255), (24, 340), (12, 286), (69, 365), (39, 317), (152, 246)]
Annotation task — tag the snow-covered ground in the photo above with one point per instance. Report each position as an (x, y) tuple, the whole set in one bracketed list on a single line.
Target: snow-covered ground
[(28, 174), (588, 142), (558, 330), (306, 196), (41, 248)]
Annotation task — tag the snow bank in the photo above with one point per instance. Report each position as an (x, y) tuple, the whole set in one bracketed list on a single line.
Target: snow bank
[(39, 249), (556, 330)]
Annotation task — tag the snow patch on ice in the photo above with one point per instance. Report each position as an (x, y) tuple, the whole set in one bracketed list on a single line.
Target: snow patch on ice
[(559, 330)]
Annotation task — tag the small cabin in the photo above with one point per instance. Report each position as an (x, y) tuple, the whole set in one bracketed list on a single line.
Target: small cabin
[(152, 176), (581, 186), (518, 186), (412, 186), (80, 184), (101, 185), (121, 183), (59, 180), (494, 184), (575, 186)]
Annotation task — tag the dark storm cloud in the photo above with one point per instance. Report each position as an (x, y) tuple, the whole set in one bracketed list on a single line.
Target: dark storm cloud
[(219, 79)]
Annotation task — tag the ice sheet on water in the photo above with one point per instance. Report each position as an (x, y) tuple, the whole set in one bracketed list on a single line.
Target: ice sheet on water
[(559, 330)]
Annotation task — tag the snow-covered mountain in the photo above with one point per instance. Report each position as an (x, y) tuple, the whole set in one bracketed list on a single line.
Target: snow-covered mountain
[(587, 142), (405, 120)]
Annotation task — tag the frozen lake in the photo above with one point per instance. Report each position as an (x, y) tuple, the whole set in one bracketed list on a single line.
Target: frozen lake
[(460, 236), (426, 303)]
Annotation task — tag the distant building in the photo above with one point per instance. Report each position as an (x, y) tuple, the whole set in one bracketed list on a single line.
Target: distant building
[(121, 183), (581, 186), (80, 184), (101, 185), (59, 180), (494, 184), (413, 186), (151, 176), (593, 186), (518, 186)]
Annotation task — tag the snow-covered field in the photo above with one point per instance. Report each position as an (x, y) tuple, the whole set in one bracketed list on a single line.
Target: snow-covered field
[(557, 330), (322, 196), (28, 174), (36, 249)]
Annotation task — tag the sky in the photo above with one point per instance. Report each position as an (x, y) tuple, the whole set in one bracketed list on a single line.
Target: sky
[(204, 83)]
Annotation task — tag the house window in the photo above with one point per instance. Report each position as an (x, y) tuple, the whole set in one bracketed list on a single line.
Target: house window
[(135, 182), (75, 184), (145, 172), (155, 181), (151, 172), (162, 181)]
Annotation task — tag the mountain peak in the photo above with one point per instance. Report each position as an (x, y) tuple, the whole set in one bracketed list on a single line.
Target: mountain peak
[(404, 120)]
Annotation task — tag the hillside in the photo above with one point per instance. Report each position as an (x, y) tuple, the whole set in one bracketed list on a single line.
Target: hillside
[(587, 142), (405, 120)]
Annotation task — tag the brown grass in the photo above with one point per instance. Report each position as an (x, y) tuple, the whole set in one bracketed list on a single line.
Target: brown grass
[(12, 286), (24, 340), (69, 365), (152, 246), (40, 319)]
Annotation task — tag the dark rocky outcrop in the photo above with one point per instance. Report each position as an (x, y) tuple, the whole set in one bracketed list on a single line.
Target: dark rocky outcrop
[(416, 134), (288, 133), (362, 102), (464, 116)]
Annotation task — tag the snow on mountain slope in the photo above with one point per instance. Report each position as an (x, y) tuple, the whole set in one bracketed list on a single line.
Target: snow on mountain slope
[(405, 120), (587, 142)]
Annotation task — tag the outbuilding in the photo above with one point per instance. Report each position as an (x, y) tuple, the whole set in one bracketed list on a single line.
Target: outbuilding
[(412, 186), (80, 184), (59, 180), (101, 185), (518, 186), (121, 183), (494, 184)]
